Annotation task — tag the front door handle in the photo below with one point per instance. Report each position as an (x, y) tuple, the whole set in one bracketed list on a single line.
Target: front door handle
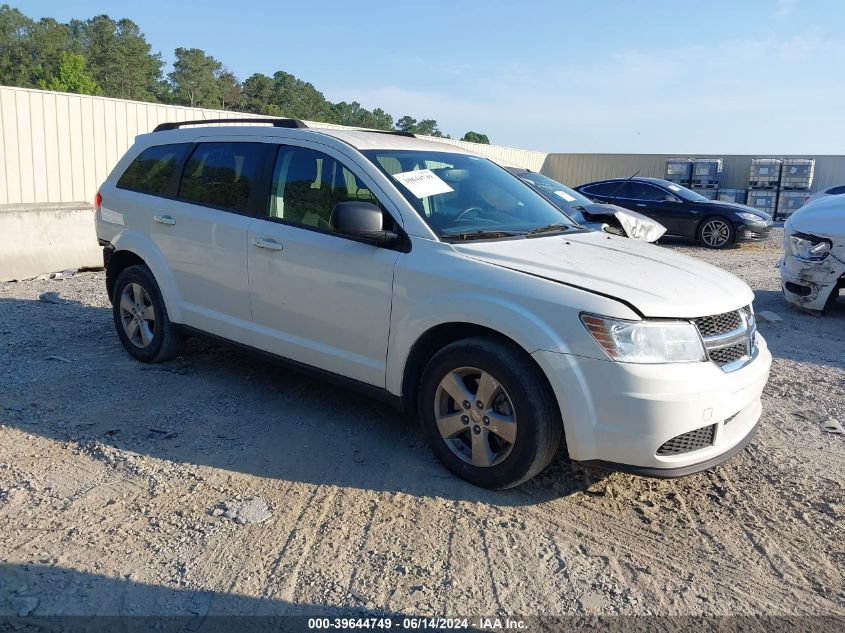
[(164, 219), (271, 245)]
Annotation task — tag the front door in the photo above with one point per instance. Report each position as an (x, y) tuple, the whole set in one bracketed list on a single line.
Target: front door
[(659, 205), (318, 297)]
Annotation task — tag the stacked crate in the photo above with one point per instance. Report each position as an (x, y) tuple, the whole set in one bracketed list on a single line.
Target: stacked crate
[(679, 171), (763, 184), (706, 176), (796, 177), (733, 195)]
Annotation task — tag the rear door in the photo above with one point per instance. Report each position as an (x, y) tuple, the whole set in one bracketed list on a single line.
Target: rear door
[(659, 205), (202, 231), (319, 297)]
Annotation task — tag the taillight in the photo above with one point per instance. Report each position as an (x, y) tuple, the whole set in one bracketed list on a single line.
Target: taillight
[(98, 200)]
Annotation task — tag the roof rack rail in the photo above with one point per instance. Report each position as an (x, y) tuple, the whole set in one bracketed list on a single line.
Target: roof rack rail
[(175, 125), (393, 132)]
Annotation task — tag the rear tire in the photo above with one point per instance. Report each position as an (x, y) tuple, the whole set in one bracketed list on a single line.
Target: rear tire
[(499, 443), (716, 232), (140, 317)]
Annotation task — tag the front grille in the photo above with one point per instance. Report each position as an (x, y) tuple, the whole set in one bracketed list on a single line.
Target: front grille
[(726, 355), (688, 442), (728, 337), (718, 323)]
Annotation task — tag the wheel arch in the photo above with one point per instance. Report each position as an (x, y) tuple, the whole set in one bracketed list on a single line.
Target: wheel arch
[(439, 336), (130, 250)]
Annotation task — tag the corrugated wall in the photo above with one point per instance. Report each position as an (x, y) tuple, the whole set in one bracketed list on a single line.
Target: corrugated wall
[(58, 147), (577, 169)]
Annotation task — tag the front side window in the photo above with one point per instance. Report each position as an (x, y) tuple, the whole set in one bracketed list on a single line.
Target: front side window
[(606, 189), (307, 184), (153, 169), (644, 191), (459, 194), (222, 175)]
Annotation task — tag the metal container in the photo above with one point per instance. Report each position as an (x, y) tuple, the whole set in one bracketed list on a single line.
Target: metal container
[(706, 173), (790, 201), (765, 173), (796, 174), (763, 199), (733, 195), (710, 194), (679, 170)]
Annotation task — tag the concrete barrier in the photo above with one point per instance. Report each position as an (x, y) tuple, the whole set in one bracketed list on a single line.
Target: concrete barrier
[(38, 239)]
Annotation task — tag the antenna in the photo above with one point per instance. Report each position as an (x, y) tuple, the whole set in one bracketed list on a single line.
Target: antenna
[(616, 191)]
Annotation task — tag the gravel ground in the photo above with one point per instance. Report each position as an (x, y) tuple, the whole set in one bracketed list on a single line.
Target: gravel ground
[(222, 484)]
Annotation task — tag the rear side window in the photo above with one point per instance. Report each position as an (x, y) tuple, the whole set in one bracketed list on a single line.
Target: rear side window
[(222, 175), (152, 170)]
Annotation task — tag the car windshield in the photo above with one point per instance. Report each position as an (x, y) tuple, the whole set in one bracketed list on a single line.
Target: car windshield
[(556, 190), (461, 195), (686, 194)]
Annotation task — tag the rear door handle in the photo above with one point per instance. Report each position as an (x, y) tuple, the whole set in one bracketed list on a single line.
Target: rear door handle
[(271, 245), (164, 219)]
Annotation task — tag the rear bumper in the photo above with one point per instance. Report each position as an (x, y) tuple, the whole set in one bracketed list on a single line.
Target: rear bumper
[(619, 414)]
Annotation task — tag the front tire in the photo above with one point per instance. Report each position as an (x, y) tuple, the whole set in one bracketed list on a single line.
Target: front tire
[(141, 319), (716, 232), (488, 413)]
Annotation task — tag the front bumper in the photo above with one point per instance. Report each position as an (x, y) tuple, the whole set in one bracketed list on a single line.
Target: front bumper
[(753, 231), (617, 415), (808, 285)]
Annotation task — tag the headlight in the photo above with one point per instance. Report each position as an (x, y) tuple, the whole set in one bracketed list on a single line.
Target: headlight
[(646, 341), (809, 247), (751, 217)]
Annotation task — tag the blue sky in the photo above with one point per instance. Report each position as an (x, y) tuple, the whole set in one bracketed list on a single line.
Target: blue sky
[(589, 76)]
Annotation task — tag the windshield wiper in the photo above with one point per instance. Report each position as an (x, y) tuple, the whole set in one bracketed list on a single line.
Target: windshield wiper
[(479, 235), (549, 228)]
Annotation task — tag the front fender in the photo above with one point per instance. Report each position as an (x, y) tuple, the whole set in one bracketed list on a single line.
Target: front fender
[(147, 250)]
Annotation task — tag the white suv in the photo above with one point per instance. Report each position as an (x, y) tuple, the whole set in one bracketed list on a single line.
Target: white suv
[(435, 278)]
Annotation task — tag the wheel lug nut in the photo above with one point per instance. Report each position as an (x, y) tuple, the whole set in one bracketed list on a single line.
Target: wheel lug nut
[(465, 419), (486, 421), (479, 404), (476, 429), (466, 404)]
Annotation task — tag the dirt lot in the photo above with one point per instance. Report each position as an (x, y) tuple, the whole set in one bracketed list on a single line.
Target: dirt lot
[(120, 489)]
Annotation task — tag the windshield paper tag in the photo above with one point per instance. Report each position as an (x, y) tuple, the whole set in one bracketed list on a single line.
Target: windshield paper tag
[(674, 188), (423, 183), (565, 196)]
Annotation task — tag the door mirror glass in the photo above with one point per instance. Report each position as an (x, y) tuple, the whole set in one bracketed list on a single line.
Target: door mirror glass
[(361, 219)]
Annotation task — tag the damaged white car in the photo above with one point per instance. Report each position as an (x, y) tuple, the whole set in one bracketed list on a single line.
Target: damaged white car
[(813, 266)]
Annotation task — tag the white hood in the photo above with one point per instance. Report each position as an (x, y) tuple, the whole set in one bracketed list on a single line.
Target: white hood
[(656, 281)]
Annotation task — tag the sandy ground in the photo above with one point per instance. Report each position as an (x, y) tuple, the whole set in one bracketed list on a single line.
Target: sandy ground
[(121, 489)]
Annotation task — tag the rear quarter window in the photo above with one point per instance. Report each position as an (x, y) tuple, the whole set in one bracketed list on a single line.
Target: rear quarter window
[(153, 169)]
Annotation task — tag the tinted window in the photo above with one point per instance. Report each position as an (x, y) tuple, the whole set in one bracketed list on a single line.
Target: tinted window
[(307, 184), (222, 174), (152, 170), (608, 189), (643, 191), (835, 191)]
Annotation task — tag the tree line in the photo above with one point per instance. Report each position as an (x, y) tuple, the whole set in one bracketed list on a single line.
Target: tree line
[(103, 56)]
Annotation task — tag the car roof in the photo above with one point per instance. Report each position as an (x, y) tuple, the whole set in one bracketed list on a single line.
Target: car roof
[(654, 181), (358, 138)]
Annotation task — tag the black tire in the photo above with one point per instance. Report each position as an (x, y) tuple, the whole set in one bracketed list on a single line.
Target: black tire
[(166, 341), (539, 425), (705, 229)]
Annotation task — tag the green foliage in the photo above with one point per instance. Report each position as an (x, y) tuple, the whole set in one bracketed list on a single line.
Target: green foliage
[(476, 137), (112, 57), (71, 76), (193, 81)]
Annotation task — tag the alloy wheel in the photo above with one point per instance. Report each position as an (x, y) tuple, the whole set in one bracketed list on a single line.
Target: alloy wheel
[(475, 416), (137, 315), (715, 233)]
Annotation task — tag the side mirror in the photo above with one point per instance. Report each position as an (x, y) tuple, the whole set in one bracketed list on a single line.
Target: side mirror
[(363, 220)]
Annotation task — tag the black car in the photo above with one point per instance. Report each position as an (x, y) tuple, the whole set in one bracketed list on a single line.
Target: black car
[(684, 213)]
